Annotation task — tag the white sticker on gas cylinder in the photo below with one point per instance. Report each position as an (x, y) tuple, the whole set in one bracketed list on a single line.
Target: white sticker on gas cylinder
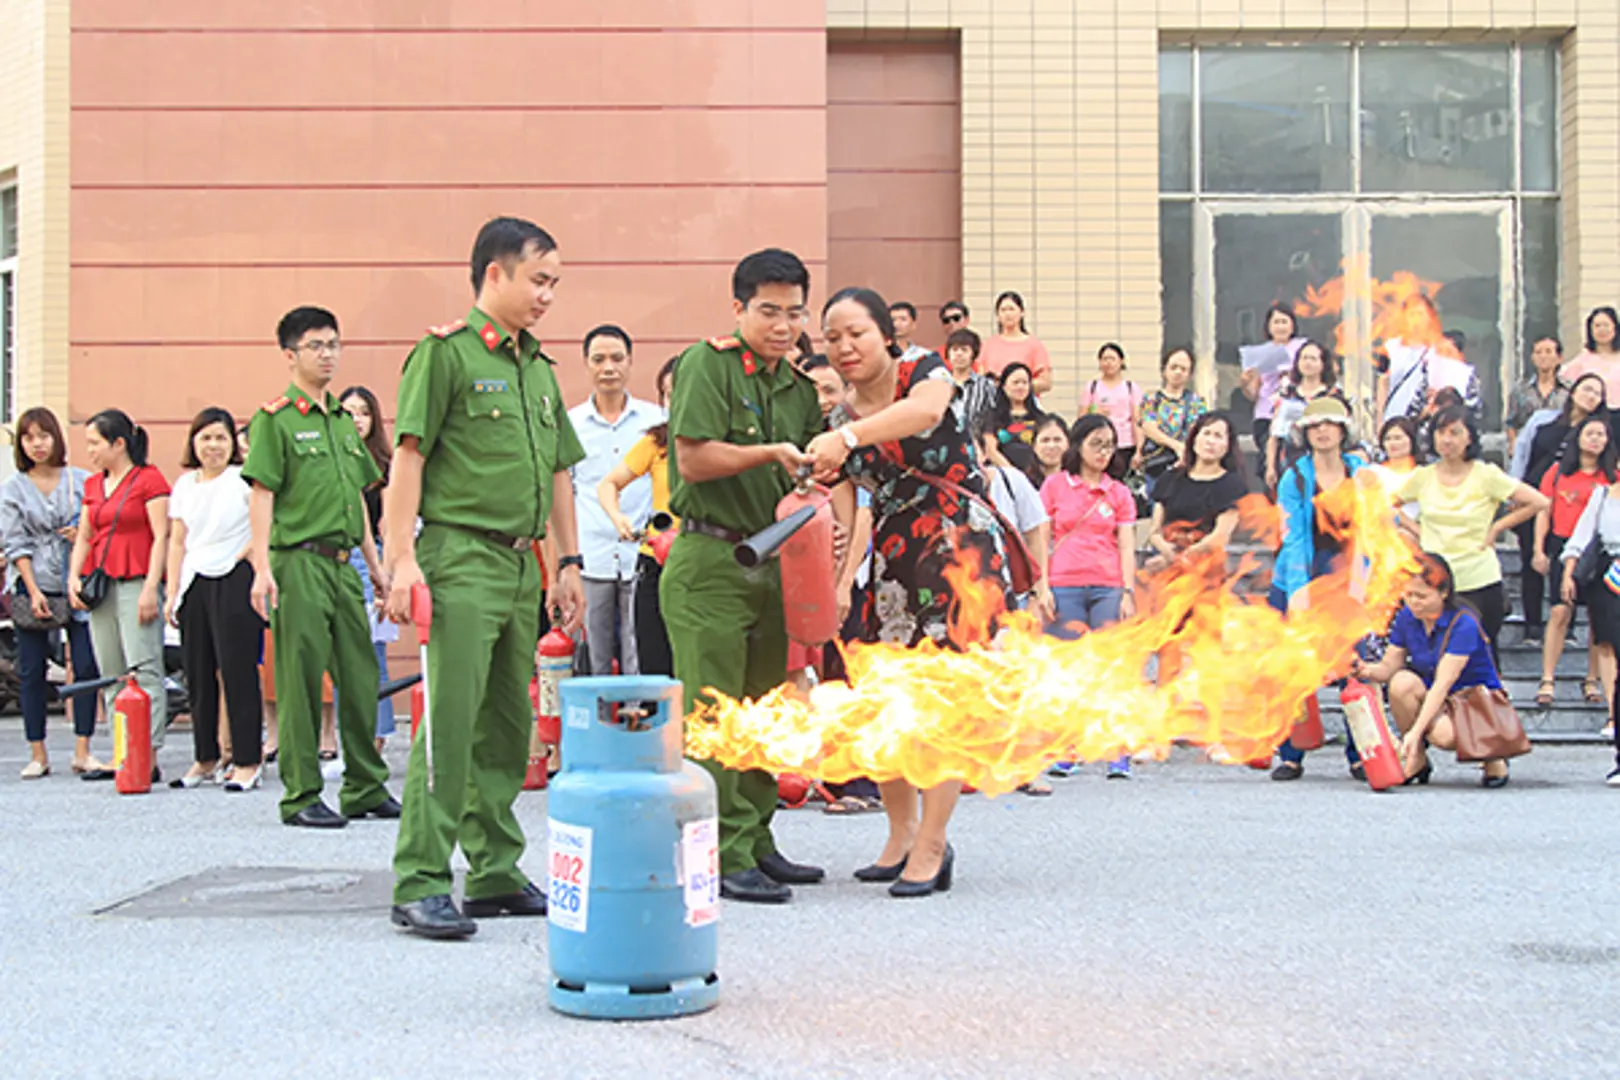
[(569, 893), (700, 871)]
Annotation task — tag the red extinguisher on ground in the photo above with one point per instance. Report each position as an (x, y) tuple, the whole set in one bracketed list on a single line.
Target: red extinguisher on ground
[(556, 663), (1364, 716), (1307, 733), (132, 739)]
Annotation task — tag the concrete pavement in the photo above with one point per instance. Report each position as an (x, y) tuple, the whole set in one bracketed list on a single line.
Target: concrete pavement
[(1196, 921)]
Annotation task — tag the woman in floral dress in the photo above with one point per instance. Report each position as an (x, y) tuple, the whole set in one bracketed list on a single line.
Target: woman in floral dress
[(901, 436)]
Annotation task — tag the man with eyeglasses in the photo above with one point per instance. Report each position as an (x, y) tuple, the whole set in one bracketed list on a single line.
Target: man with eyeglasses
[(737, 418), (308, 468)]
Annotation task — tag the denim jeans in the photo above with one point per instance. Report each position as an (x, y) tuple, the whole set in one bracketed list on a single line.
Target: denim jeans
[(1093, 606), (385, 707), (33, 649)]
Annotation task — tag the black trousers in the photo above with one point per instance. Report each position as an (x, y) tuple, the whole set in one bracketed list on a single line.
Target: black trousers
[(1491, 603), (652, 640), (220, 639), (1533, 586)]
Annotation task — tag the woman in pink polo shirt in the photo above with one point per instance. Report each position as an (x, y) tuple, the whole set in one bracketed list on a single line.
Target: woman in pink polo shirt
[(1092, 565)]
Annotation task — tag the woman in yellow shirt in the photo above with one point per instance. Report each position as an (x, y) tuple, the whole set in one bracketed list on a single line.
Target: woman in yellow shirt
[(648, 457), (1457, 499)]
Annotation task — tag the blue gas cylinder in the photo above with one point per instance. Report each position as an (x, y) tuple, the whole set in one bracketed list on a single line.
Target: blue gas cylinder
[(634, 882)]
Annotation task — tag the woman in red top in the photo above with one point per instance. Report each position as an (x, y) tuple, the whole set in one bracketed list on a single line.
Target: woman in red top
[(123, 532), (1589, 462)]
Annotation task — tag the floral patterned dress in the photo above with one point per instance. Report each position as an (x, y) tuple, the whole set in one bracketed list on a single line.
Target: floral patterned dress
[(919, 529)]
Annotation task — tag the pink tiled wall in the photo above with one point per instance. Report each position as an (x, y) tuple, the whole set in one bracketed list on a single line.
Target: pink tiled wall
[(230, 161)]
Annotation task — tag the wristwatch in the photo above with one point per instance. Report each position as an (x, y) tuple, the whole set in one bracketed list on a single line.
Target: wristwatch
[(847, 433), (576, 561)]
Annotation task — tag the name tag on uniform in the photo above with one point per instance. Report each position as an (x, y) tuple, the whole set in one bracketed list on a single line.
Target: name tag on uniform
[(489, 386), (306, 436)]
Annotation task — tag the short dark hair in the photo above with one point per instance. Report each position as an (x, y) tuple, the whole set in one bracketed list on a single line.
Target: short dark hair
[(1404, 424), (300, 321), (772, 266), (1274, 309), (1614, 318), (1078, 434), (906, 306), (1192, 359), (115, 424), (42, 419), (1437, 575), (965, 338), (1112, 347), (1458, 414), (875, 307), (953, 305), (1457, 338), (815, 362), (506, 240), (1557, 342), (1330, 364), (606, 330), (211, 415)]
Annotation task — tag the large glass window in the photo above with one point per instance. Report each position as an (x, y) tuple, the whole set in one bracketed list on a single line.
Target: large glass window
[(1274, 119), (1450, 172), (8, 298)]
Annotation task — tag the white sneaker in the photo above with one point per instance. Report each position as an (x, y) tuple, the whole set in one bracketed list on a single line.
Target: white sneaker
[(1613, 779)]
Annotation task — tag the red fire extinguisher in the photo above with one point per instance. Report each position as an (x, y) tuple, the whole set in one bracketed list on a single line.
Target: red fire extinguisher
[(556, 663), (1364, 715), (809, 588), (418, 707), (132, 739), (1307, 733)]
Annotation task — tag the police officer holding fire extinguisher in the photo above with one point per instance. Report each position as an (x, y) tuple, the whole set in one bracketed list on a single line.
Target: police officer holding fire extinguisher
[(737, 417), (483, 440)]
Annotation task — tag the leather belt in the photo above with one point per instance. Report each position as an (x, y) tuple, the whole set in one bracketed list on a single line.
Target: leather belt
[(494, 536), (719, 532), (323, 550)]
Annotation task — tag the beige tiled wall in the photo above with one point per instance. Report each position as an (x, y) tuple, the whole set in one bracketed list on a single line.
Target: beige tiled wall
[(1060, 143), (33, 154)]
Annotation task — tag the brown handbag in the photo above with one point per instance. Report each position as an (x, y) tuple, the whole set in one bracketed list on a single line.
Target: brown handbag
[(1487, 725)]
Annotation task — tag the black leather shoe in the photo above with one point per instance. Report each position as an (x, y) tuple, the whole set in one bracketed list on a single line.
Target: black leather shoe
[(1490, 781), (317, 815), (531, 901), (388, 808), (753, 887), (1288, 770), (1358, 772), (879, 872), (787, 872), (433, 917), (940, 882)]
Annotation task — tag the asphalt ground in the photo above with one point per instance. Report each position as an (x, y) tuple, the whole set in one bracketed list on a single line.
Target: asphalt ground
[(1195, 921)]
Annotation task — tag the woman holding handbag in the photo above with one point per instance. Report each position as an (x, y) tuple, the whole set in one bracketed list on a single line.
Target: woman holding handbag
[(39, 513), (898, 436), (1441, 674), (116, 569), (1590, 554)]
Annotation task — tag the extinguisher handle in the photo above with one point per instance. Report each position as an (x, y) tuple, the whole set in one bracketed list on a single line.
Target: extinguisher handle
[(422, 612)]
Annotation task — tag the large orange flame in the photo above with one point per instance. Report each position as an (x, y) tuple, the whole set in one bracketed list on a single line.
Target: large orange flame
[(1403, 310), (1232, 672)]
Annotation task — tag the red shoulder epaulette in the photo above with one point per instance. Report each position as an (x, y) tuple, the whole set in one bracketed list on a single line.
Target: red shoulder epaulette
[(447, 329), (277, 405), (725, 344)]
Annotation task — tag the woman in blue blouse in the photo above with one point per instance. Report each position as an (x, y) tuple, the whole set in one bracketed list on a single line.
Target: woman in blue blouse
[(1436, 648)]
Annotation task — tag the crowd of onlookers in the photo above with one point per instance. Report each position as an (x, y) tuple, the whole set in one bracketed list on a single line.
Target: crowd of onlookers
[(102, 563)]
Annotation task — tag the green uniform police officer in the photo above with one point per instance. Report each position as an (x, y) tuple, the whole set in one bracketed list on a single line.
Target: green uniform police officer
[(484, 441), (308, 468), (737, 417)]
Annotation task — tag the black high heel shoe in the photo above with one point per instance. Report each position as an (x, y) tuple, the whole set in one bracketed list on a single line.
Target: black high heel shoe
[(940, 882), (1420, 777), (879, 872), (1489, 781)]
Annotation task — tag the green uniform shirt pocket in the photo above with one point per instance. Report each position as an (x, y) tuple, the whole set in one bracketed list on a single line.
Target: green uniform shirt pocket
[(747, 423), (493, 405)]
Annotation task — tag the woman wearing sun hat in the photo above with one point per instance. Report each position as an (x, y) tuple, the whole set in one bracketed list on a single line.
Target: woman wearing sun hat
[(1308, 550)]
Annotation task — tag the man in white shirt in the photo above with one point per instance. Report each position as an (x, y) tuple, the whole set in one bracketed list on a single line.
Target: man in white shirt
[(904, 314), (608, 423)]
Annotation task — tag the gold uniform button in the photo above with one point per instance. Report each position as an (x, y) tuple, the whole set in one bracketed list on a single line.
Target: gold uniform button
[(496, 413), (750, 431)]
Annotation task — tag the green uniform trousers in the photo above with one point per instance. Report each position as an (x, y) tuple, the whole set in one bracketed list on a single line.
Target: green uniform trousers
[(320, 626), (486, 601), (726, 631)]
